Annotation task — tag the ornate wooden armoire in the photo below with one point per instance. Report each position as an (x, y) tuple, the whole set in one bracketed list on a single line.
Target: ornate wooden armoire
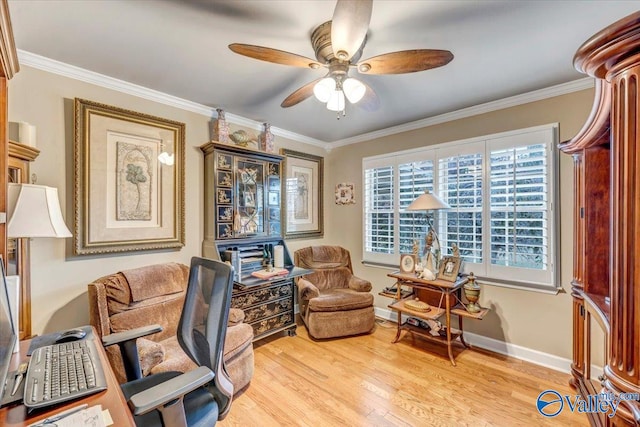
[(606, 283)]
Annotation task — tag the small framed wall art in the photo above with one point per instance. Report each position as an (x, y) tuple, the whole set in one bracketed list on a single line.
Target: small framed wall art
[(345, 194), (407, 263)]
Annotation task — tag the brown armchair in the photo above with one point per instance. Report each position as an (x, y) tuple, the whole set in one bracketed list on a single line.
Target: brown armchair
[(333, 302), (155, 295)]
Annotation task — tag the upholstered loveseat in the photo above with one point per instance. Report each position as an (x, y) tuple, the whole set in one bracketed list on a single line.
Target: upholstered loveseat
[(155, 295)]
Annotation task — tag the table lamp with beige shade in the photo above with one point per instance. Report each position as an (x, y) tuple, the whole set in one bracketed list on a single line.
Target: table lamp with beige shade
[(430, 202), (33, 211)]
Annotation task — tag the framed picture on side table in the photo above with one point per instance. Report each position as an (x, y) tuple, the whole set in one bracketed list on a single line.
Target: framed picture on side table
[(407, 263), (449, 268)]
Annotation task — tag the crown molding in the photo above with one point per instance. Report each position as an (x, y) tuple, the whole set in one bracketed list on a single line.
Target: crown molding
[(56, 67), (81, 74), (513, 101)]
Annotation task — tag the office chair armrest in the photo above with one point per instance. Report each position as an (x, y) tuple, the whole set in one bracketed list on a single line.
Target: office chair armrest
[(360, 285), (170, 390), (131, 334), (126, 341)]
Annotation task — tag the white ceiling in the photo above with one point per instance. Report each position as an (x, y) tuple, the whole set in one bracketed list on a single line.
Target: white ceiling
[(179, 47)]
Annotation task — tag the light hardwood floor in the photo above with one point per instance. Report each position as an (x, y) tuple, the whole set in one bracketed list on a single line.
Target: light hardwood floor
[(367, 381)]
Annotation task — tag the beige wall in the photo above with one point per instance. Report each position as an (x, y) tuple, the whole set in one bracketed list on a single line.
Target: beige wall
[(535, 320), (59, 280), (538, 321)]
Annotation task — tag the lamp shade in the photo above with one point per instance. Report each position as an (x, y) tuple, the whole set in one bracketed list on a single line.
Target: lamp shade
[(336, 102), (353, 89), (323, 89), (34, 211), (427, 202)]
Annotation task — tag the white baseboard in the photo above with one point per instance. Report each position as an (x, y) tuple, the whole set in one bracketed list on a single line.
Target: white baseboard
[(519, 352)]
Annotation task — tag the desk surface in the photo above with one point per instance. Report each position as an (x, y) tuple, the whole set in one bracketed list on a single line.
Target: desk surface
[(111, 398)]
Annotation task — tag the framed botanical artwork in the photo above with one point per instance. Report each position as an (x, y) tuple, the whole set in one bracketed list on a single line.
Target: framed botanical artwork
[(407, 263), (128, 180), (449, 268), (302, 188)]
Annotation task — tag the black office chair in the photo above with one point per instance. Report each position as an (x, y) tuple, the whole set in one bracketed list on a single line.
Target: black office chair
[(199, 397)]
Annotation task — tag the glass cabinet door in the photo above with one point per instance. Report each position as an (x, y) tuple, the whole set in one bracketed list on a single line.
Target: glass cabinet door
[(250, 201)]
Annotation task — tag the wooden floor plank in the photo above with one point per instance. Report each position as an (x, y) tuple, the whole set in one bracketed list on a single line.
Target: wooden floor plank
[(368, 381)]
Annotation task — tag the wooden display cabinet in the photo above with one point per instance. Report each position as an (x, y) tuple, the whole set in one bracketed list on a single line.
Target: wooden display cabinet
[(243, 206), (20, 156)]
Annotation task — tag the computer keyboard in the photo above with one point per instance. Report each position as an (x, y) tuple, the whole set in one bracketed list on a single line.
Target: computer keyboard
[(62, 372)]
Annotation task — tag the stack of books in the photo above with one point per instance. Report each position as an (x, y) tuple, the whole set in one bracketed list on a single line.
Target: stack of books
[(264, 274)]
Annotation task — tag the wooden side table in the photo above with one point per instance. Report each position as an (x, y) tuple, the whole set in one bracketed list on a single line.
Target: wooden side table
[(450, 293)]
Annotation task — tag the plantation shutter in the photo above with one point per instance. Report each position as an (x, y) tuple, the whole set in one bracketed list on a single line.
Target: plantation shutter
[(379, 210), (460, 185), (520, 205)]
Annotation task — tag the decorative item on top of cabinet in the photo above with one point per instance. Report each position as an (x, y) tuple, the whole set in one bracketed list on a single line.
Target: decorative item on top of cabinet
[(221, 127), (266, 139), (20, 155)]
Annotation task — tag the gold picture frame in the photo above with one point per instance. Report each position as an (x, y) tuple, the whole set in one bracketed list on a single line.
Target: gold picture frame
[(449, 268), (302, 189), (128, 180), (407, 263)]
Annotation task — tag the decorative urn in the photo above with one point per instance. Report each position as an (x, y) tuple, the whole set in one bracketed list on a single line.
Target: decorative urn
[(472, 293)]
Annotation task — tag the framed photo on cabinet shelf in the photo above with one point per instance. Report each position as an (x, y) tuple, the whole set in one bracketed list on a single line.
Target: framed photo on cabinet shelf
[(407, 263), (449, 268), (302, 195), (128, 180)]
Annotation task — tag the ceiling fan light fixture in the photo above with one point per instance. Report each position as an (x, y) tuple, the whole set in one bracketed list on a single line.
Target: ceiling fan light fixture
[(324, 88), (336, 102), (353, 89)]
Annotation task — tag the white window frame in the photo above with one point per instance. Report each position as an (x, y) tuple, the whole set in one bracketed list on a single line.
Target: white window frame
[(523, 278)]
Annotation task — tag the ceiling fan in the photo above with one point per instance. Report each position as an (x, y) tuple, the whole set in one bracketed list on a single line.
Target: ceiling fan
[(338, 46)]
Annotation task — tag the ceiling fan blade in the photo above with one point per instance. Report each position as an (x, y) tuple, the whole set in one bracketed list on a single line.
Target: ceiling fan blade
[(273, 55), (349, 26), (300, 94), (406, 61)]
